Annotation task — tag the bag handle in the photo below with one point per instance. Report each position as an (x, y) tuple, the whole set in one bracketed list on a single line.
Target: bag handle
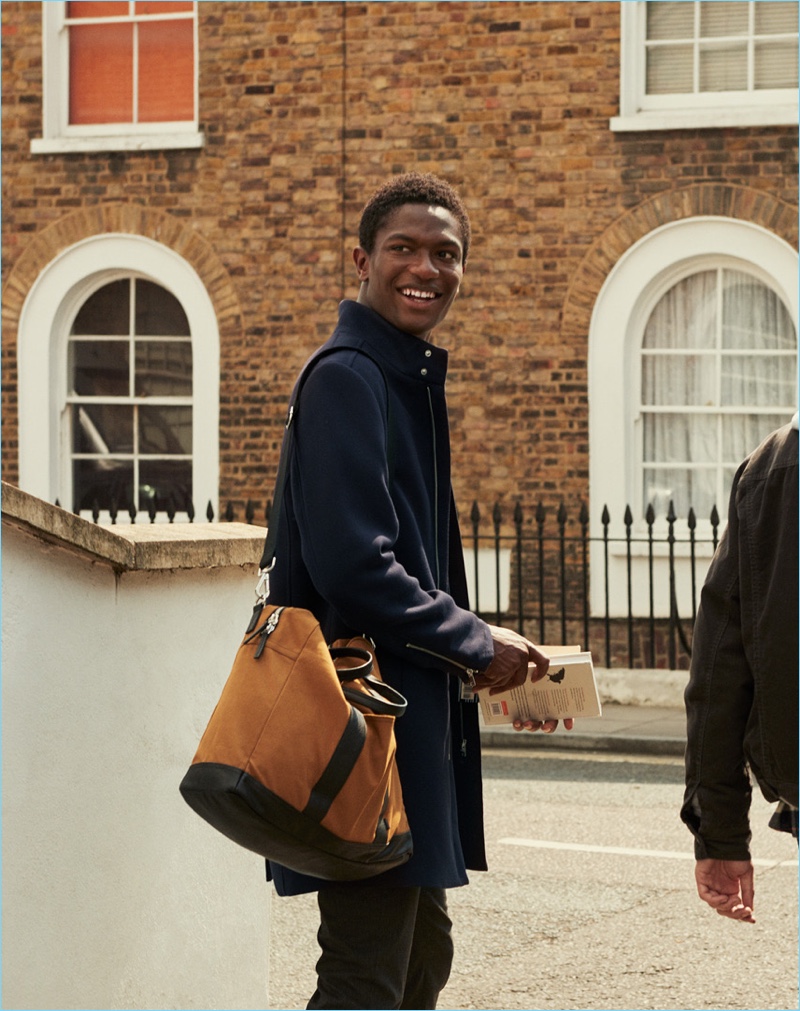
[(381, 699)]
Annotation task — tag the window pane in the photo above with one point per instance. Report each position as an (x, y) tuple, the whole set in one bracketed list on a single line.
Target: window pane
[(741, 433), (686, 489), (753, 316), (680, 438), (162, 480), (723, 68), (776, 65), (163, 369), (102, 428), (98, 9), (100, 74), (670, 70), (163, 7), (99, 368), (165, 430), (670, 20), (722, 18), (107, 312), (158, 312), (166, 71), (774, 18), (757, 381), (101, 482), (686, 316), (678, 380)]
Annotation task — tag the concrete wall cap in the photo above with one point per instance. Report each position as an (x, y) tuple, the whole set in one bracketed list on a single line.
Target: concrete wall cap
[(133, 547)]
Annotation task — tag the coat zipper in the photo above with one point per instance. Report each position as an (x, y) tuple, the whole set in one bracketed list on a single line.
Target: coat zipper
[(435, 489), (468, 677)]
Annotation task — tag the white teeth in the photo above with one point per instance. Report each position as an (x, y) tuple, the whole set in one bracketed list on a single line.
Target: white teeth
[(419, 294)]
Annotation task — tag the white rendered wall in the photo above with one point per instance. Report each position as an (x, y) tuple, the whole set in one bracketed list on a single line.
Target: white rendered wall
[(115, 894)]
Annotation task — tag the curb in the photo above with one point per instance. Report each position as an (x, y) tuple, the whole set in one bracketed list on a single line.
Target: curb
[(570, 741)]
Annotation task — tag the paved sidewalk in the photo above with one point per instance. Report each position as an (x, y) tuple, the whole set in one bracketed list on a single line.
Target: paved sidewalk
[(648, 730)]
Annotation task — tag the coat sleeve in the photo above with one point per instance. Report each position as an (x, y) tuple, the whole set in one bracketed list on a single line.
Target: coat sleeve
[(719, 697), (349, 527)]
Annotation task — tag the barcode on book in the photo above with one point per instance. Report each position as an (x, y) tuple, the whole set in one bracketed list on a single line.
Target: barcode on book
[(499, 708)]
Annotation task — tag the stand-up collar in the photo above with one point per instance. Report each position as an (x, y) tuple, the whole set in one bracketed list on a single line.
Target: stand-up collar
[(418, 359)]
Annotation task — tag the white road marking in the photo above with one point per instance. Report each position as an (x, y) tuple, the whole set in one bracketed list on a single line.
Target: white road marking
[(624, 851)]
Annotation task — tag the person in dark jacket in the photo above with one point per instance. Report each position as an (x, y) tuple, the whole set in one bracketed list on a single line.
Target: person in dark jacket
[(368, 541), (742, 695)]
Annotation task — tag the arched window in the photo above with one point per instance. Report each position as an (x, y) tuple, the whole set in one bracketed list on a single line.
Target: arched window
[(718, 374), (118, 355), (129, 391), (692, 361)]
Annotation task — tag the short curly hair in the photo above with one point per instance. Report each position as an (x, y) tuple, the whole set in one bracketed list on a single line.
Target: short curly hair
[(411, 188)]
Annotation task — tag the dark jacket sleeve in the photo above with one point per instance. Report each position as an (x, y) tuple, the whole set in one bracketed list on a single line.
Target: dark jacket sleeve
[(719, 698), (349, 528)]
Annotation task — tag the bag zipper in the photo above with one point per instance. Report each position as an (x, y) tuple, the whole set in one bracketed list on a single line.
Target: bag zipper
[(265, 631), (468, 677)]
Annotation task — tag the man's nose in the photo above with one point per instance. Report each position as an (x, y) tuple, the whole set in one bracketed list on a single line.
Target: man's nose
[(424, 264)]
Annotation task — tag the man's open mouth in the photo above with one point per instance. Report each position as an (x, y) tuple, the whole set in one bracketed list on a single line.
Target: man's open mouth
[(419, 294)]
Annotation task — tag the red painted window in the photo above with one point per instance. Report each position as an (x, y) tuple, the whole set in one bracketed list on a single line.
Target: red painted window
[(131, 61)]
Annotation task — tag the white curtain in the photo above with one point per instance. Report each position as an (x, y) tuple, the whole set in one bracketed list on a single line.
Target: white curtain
[(719, 367)]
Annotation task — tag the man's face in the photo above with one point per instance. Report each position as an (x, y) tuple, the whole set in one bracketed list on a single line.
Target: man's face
[(415, 268)]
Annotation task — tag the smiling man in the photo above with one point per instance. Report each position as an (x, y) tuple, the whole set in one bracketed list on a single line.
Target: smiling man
[(368, 540)]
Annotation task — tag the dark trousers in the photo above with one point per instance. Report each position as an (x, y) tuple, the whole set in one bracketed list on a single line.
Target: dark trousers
[(382, 947)]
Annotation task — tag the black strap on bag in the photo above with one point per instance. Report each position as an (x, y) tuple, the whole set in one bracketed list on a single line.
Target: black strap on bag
[(268, 556)]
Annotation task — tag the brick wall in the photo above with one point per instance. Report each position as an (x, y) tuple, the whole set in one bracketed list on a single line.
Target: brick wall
[(306, 107)]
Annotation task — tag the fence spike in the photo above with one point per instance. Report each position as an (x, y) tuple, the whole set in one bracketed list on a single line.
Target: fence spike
[(95, 510), (691, 519), (650, 514), (475, 513), (151, 509), (540, 514), (497, 516), (210, 512), (518, 515), (190, 510), (671, 514), (584, 515), (628, 517), (562, 516), (606, 516), (171, 508), (132, 511), (229, 514), (249, 511)]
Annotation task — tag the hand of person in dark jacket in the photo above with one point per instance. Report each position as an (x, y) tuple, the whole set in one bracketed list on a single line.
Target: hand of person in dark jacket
[(509, 668), (727, 886), (513, 654)]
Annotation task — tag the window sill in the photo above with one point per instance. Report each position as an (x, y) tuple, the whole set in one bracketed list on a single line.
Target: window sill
[(705, 119), (118, 142)]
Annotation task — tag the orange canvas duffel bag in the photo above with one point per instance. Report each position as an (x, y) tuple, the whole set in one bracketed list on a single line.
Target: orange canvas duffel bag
[(297, 763)]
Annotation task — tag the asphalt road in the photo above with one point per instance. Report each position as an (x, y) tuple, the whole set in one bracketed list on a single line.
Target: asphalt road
[(590, 901)]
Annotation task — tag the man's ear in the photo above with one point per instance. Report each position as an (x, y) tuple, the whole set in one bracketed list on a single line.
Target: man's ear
[(361, 260)]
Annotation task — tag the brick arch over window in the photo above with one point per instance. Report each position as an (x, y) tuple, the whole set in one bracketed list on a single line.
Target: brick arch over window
[(737, 202), (47, 245)]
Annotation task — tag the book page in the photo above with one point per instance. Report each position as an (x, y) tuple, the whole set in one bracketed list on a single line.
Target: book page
[(568, 690)]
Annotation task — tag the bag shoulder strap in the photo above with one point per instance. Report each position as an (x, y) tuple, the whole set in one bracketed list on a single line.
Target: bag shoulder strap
[(268, 555)]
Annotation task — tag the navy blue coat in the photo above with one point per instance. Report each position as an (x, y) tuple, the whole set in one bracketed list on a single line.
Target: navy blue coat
[(368, 541)]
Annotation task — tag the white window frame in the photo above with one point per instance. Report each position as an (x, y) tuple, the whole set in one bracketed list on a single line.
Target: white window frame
[(639, 111), (58, 136), (45, 322), (639, 278)]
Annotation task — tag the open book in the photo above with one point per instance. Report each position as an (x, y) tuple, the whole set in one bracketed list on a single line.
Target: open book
[(567, 690)]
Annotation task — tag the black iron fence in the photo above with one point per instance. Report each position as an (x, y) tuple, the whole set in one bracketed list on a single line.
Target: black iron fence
[(545, 589), (549, 593)]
